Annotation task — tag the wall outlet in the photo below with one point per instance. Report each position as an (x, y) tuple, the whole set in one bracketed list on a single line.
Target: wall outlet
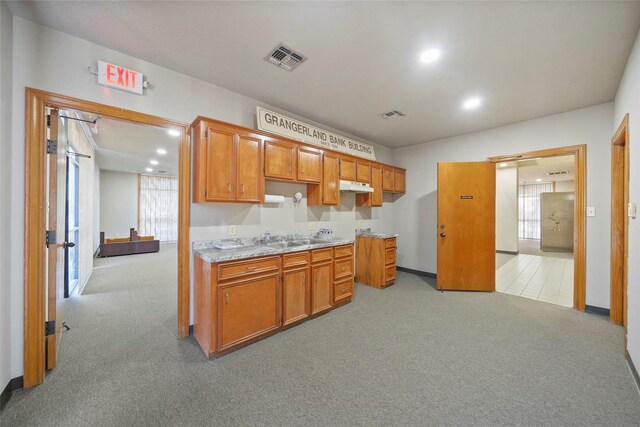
[(312, 226), (232, 230)]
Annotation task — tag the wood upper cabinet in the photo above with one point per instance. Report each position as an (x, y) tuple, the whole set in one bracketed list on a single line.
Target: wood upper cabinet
[(372, 199), (248, 309), (220, 166), (363, 171), (295, 295), (347, 169), (399, 181), (388, 178), (279, 160), (249, 179), (309, 164), (321, 287), (331, 179)]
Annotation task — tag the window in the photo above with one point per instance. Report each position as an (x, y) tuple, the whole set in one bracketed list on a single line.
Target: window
[(72, 232), (529, 209), (158, 214)]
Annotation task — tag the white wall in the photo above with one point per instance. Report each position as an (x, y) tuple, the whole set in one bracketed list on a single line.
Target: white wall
[(96, 208), (507, 209), (52, 61), (7, 293), (565, 186), (416, 218), (118, 203), (628, 101)]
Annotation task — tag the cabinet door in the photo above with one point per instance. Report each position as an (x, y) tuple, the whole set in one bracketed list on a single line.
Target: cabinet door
[(309, 164), (376, 184), (248, 309), (321, 287), (248, 166), (363, 171), (295, 295), (387, 179), (347, 169), (279, 160), (399, 184), (330, 180), (220, 168)]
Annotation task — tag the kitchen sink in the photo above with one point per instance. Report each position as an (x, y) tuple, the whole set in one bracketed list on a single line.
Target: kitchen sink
[(310, 241), (283, 244)]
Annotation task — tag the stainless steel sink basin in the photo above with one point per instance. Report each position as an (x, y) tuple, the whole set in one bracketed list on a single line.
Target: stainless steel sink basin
[(283, 244), (310, 241)]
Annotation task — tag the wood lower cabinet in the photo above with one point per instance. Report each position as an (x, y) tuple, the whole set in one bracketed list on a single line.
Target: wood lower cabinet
[(238, 302), (375, 261), (343, 273), (279, 160), (248, 309)]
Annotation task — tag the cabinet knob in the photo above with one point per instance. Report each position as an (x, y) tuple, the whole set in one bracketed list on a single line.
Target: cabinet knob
[(229, 187), (227, 297), (242, 188)]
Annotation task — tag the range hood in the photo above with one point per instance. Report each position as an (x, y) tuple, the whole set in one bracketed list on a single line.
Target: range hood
[(355, 187)]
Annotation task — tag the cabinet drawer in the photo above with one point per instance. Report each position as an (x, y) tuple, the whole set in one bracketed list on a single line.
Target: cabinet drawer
[(295, 259), (343, 289), (343, 268), (325, 254), (390, 243), (390, 273), (390, 256), (229, 270), (343, 251)]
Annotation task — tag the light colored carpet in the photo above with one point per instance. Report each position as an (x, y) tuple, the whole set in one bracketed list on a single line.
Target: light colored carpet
[(406, 355)]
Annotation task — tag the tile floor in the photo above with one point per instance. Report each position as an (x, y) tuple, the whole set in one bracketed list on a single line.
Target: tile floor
[(542, 278)]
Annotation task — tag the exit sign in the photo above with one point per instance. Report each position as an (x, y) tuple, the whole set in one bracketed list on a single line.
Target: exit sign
[(118, 77)]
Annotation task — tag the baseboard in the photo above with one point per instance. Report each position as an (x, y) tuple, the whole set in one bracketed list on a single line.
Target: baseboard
[(190, 330), (596, 310), (632, 368), (507, 252), (79, 289), (13, 385), (418, 272)]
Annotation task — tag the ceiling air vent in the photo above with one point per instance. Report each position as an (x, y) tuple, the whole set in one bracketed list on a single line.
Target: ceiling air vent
[(558, 173), (391, 114), (285, 57)]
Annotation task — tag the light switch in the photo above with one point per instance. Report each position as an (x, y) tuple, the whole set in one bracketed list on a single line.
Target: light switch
[(232, 230), (591, 211), (312, 226), (631, 210)]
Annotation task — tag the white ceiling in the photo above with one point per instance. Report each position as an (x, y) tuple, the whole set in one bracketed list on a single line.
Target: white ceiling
[(525, 59), (529, 171), (128, 147)]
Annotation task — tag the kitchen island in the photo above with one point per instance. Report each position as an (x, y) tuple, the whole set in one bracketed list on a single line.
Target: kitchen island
[(258, 288)]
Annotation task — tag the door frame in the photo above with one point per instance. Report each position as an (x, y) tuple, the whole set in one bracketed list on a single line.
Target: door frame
[(35, 216), (619, 223), (580, 212)]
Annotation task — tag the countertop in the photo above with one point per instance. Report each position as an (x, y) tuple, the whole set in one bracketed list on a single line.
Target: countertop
[(378, 235), (208, 253)]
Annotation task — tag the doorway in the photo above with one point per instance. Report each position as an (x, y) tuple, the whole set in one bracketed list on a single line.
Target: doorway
[(619, 222), (535, 228), (36, 251), (579, 153)]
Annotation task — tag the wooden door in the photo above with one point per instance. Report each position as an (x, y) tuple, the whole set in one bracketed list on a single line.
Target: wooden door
[(347, 169), (279, 159), (376, 184), (248, 309), (399, 184), (309, 164), (387, 179), (331, 179), (248, 169), (295, 295), (363, 171), (220, 168), (321, 286), (56, 220), (466, 226)]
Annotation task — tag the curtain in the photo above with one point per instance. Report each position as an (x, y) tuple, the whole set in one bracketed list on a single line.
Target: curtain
[(529, 209), (158, 214)]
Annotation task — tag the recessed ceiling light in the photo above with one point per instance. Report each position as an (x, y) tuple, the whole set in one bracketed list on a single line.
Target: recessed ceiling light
[(153, 162), (539, 180), (161, 151), (149, 170), (503, 165), (472, 103), (429, 56), (174, 132)]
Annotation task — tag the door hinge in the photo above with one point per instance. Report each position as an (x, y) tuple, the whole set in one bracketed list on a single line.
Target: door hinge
[(52, 146), (49, 328), (206, 134), (48, 120), (50, 237)]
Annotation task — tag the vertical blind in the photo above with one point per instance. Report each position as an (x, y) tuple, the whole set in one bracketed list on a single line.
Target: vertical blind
[(158, 213), (529, 222)]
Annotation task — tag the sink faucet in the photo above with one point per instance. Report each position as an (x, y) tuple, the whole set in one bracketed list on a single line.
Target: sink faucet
[(267, 237)]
